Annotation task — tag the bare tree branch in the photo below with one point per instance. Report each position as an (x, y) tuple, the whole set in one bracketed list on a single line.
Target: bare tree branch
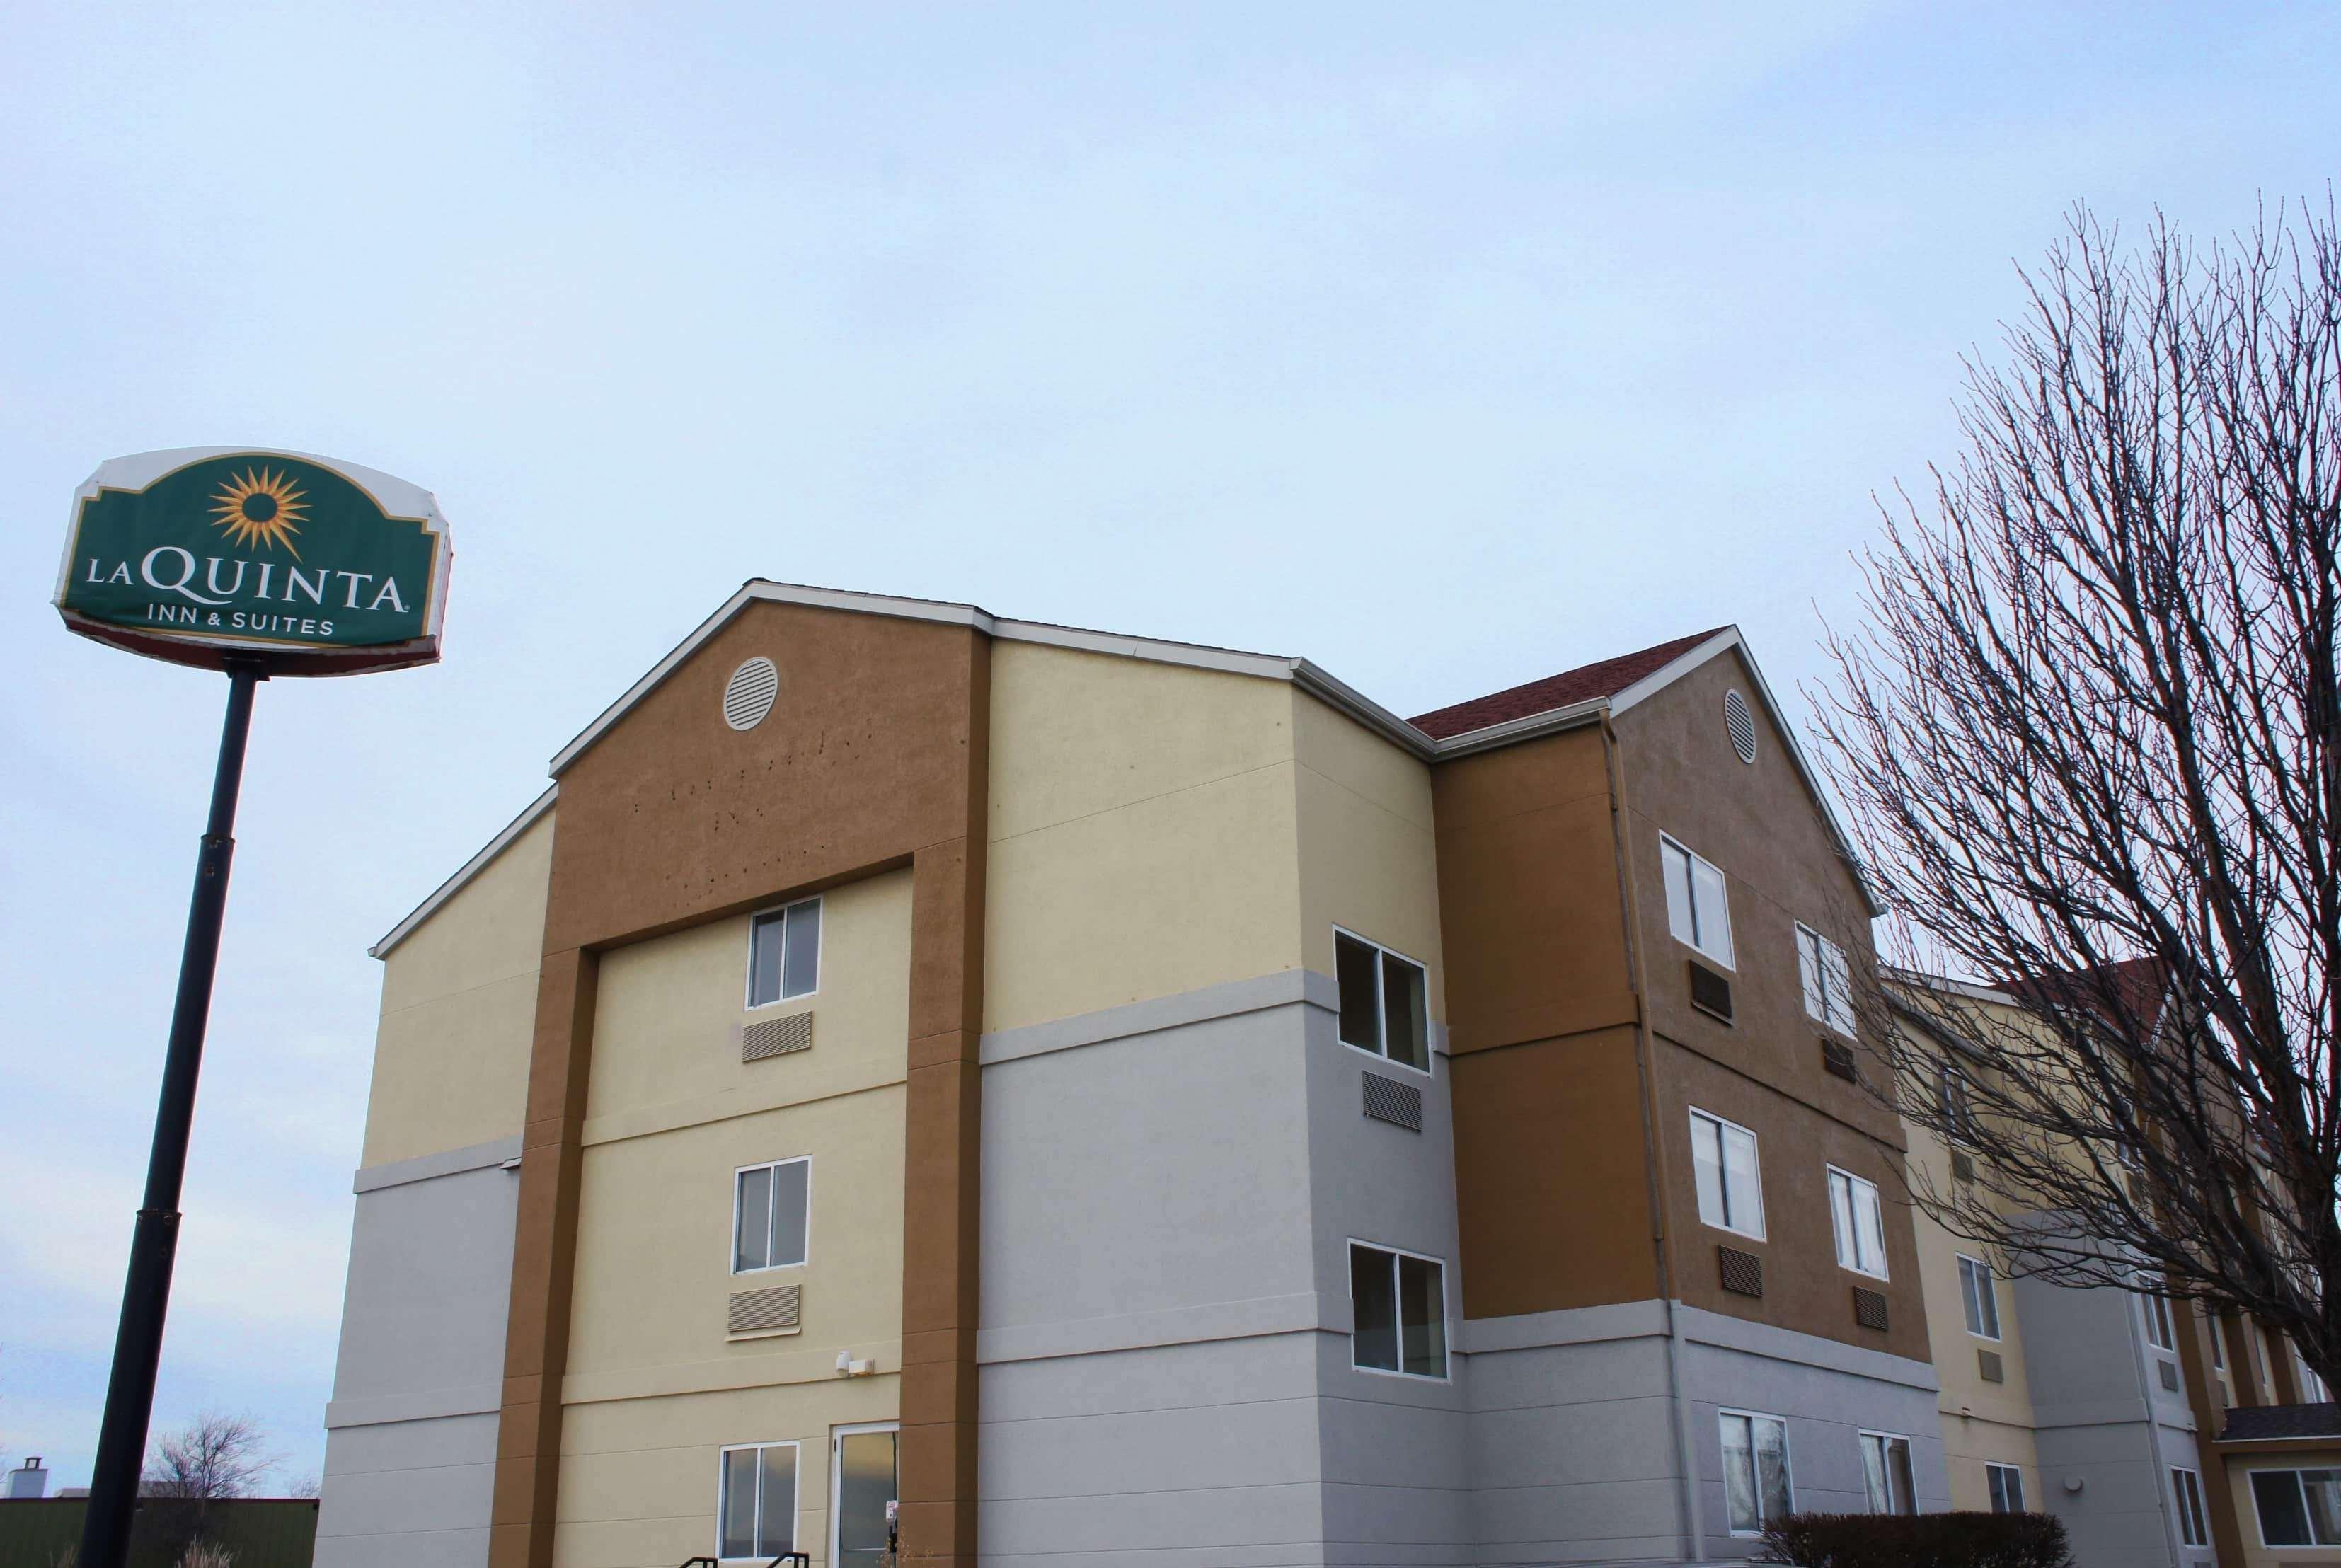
[(2090, 738)]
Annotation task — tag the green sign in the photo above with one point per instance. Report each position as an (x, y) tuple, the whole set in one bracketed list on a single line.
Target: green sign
[(207, 554)]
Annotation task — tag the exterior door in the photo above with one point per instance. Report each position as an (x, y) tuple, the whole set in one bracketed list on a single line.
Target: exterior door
[(862, 1492)]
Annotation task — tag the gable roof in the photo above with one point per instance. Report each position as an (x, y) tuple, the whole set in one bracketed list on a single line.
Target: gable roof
[(1602, 678), (1563, 701), (2125, 989), (2277, 1423)]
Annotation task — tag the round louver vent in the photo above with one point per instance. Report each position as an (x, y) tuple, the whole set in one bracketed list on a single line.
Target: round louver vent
[(748, 695), (1742, 725)]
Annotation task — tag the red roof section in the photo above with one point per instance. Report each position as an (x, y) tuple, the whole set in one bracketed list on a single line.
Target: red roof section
[(1602, 678), (2130, 989)]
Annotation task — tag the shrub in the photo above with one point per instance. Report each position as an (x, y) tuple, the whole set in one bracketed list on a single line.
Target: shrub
[(1918, 1540)]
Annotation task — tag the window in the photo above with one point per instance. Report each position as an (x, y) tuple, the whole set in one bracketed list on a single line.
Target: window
[(2311, 1386), (1828, 990), (757, 1514), (1756, 1488), (2154, 1309), (1981, 1301), (2190, 1489), (1957, 1101), (1399, 1302), (1860, 1223), (1697, 912), (1885, 1471), (2007, 1483), (784, 953), (2298, 1507), (768, 1218), (2218, 1327), (1723, 1160), (1385, 1005)]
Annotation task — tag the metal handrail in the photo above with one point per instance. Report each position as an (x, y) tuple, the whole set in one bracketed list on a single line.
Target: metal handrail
[(803, 1559)]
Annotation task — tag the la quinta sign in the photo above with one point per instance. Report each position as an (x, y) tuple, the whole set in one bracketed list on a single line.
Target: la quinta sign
[(260, 565), (303, 565)]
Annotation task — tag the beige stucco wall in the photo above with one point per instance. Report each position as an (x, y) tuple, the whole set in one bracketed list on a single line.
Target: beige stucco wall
[(1982, 1421), (656, 1388), (1143, 834), (1369, 860), (459, 1012)]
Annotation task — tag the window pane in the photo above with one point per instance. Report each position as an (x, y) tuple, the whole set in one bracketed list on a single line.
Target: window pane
[(764, 959), (1990, 1294), (1838, 981), (737, 1530), (1406, 1012), (2007, 1488), (1772, 1488), (751, 1240), (1841, 1217), (777, 1518), (1679, 897), (1873, 1474), (2190, 1508), (1739, 1476), (1373, 1298), (1869, 1228), (1743, 1193), (1809, 970), (865, 1485), (802, 966), (1422, 1308), (1706, 1164), (1897, 1463), (2323, 1490), (789, 1212), (1714, 911), (1968, 1297), (1357, 968), (2283, 1515)]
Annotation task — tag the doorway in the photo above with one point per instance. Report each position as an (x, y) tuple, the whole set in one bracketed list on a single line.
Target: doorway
[(862, 1490)]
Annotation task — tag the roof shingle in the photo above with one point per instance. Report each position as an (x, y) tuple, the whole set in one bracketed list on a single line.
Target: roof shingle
[(1602, 678)]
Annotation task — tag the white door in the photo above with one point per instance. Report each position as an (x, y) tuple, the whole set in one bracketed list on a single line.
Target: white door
[(862, 1493)]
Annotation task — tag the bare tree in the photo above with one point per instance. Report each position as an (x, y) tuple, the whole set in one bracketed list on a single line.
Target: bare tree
[(217, 1456), (2090, 736)]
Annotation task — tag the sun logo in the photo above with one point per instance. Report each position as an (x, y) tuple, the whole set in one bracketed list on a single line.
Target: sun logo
[(261, 508)]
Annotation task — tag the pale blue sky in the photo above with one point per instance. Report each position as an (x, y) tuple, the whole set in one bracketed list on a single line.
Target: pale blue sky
[(1448, 345)]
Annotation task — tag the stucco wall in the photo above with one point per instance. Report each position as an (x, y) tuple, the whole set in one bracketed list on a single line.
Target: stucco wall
[(1142, 832), (458, 1011), (655, 1387)]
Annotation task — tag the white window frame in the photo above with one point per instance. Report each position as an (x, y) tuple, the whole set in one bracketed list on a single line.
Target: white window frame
[(2011, 1487), (1398, 1297), (837, 1471), (1787, 1468), (1887, 1440), (1953, 1087), (2186, 1490), (731, 1257), (1381, 1002), (2154, 1314), (1723, 1171), (1692, 859), (1845, 1232), (796, 1503), (2300, 1485), (819, 955), (1983, 1275), (1823, 971), (2306, 1382)]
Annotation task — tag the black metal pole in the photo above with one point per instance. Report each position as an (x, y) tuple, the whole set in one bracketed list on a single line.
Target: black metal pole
[(155, 1244)]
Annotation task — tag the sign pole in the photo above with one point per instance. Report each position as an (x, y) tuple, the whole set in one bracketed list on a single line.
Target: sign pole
[(153, 1245)]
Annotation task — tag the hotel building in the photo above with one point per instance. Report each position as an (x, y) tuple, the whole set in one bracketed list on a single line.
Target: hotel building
[(1068, 1098)]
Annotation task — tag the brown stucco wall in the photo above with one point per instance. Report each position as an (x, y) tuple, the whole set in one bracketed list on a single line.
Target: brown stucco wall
[(1552, 1180), (873, 757), (1760, 825)]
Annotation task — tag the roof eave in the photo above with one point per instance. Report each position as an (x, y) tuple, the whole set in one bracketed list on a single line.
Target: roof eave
[(464, 874)]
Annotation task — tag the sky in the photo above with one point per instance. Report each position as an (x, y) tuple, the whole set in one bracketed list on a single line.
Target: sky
[(1449, 346)]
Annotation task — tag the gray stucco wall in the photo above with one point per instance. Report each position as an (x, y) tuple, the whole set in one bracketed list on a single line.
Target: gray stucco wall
[(2105, 1421), (411, 1435)]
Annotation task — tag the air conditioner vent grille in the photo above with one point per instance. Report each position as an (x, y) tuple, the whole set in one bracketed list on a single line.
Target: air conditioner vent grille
[(1389, 1100)]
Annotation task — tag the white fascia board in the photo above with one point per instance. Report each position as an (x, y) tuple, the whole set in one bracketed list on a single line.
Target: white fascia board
[(1194, 656), (1512, 731), (1973, 993), (471, 869)]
